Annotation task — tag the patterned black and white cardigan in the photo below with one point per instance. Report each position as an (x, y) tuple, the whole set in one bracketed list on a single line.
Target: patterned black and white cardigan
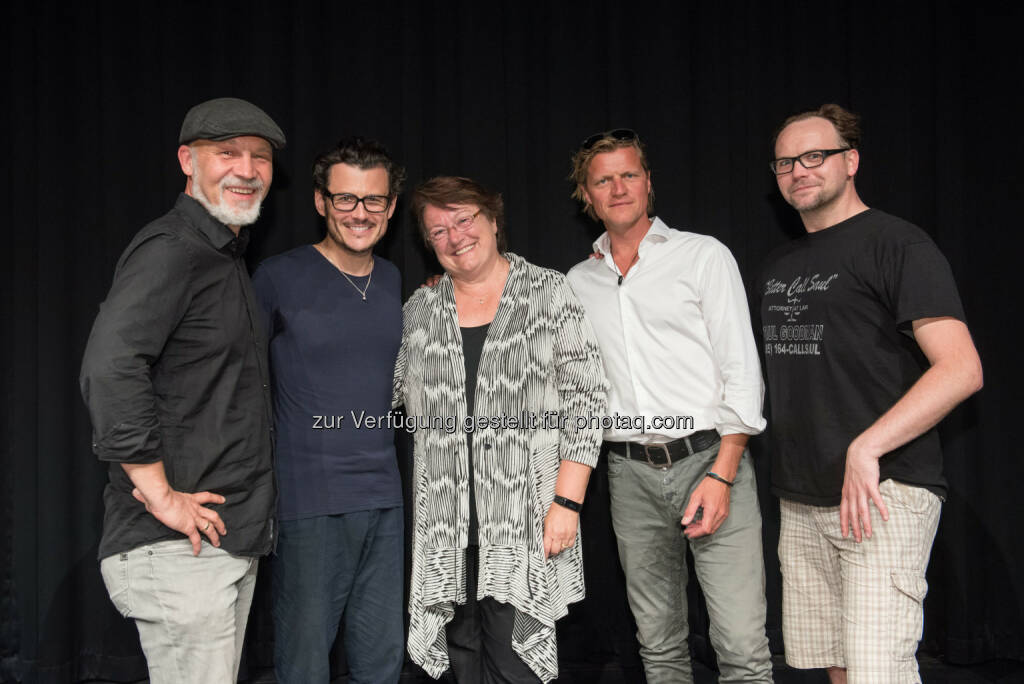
[(540, 358)]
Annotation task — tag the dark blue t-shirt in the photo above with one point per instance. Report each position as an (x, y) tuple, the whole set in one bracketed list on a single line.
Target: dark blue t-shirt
[(332, 357)]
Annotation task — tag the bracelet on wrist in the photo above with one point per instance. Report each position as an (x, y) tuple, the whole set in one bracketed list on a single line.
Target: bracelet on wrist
[(716, 476), (575, 506)]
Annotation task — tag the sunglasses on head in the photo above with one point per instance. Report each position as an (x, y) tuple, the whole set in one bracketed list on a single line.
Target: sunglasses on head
[(614, 134)]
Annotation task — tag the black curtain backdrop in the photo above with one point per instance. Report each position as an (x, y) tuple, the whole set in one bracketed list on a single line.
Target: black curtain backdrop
[(502, 92)]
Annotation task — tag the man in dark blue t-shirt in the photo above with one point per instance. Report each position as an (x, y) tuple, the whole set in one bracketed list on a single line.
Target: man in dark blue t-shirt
[(333, 313)]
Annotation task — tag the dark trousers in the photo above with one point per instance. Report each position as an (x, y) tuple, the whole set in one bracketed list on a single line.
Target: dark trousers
[(333, 565), (480, 638)]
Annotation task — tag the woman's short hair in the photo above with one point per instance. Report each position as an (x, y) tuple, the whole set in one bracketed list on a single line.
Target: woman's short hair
[(446, 191)]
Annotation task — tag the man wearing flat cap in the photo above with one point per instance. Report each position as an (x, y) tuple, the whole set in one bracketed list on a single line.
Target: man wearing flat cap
[(175, 377)]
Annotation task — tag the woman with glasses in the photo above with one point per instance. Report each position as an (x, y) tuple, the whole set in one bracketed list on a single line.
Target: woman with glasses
[(501, 373)]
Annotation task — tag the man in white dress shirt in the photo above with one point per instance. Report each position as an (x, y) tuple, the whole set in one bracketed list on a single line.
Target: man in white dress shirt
[(670, 313)]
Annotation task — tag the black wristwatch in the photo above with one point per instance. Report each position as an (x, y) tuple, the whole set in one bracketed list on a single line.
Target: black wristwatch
[(568, 503)]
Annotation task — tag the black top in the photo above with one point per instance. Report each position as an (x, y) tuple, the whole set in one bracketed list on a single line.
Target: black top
[(837, 308), (175, 370), (472, 348)]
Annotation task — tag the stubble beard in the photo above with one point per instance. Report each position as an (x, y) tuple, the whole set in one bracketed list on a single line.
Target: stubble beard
[(821, 199), (336, 237)]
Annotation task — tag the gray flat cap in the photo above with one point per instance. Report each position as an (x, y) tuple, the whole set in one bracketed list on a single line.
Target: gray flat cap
[(228, 117)]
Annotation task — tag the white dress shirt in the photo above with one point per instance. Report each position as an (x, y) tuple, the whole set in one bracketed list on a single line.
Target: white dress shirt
[(675, 336)]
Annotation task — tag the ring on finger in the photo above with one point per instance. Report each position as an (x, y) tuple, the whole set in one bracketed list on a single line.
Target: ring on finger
[(206, 526)]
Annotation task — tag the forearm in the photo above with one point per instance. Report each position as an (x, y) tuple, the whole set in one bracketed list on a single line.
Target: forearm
[(712, 495), (730, 452), (562, 521), (928, 401), (151, 481), (572, 480), (955, 374)]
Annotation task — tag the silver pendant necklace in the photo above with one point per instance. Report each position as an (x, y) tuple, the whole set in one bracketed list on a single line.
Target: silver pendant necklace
[(368, 279)]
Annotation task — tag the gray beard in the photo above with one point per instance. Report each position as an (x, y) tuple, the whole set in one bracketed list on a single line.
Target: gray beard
[(229, 216)]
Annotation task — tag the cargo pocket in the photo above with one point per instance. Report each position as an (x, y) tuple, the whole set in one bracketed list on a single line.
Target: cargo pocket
[(115, 576), (907, 617)]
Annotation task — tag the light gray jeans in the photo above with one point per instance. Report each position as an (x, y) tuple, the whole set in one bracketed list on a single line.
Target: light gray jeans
[(190, 610), (647, 505)]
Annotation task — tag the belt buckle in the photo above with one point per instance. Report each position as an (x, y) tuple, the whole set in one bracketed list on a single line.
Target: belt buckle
[(668, 456)]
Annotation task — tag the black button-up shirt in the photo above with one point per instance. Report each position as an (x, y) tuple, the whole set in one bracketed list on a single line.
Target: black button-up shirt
[(176, 371)]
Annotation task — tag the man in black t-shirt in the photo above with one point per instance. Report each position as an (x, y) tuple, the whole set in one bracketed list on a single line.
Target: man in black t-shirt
[(852, 313)]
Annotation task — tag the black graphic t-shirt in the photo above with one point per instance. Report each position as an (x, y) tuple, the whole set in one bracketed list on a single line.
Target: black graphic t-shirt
[(837, 308)]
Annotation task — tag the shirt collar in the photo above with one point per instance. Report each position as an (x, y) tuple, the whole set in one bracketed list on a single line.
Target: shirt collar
[(657, 233), (219, 235)]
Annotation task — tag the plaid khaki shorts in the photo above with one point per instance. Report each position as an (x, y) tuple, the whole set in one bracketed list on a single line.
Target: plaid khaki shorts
[(857, 605)]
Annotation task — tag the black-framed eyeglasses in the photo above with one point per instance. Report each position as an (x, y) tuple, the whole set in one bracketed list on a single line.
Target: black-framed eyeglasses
[(615, 134), (461, 224), (344, 201), (808, 160)]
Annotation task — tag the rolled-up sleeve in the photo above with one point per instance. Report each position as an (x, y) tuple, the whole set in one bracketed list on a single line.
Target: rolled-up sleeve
[(147, 300)]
